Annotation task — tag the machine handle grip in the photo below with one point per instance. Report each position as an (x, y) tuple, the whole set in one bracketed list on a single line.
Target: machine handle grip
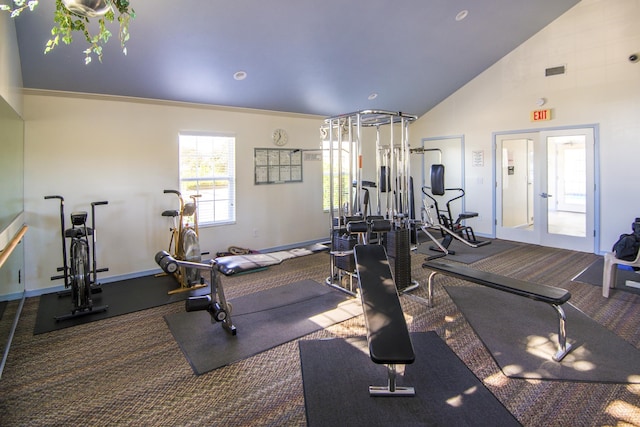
[(104, 202), (172, 191), (53, 197)]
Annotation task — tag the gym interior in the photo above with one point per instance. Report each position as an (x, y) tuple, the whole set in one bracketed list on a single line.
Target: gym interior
[(151, 366)]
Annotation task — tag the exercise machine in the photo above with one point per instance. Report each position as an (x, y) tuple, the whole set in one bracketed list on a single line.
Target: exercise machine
[(387, 138), (80, 273), (449, 228), (184, 245), (215, 303)]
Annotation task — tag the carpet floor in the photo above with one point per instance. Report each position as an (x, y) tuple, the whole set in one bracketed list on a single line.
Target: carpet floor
[(130, 371)]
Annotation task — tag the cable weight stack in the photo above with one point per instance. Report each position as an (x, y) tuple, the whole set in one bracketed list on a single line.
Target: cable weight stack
[(399, 254)]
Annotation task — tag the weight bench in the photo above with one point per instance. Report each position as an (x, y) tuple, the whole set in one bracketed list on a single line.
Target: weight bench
[(387, 333), (548, 294)]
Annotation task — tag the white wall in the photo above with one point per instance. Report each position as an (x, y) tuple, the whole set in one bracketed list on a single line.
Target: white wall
[(601, 86), (125, 151)]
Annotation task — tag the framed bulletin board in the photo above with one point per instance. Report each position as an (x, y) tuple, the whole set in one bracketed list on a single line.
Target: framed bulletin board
[(277, 165)]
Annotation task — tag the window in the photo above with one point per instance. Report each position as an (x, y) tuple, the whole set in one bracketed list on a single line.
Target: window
[(207, 167), (345, 176)]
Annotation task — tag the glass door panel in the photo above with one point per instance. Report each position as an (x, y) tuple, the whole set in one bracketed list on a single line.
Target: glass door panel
[(545, 188), (567, 181)]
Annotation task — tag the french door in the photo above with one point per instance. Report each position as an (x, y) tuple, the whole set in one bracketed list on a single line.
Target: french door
[(545, 188)]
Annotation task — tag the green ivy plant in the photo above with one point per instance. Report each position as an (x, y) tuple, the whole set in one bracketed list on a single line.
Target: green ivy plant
[(66, 22)]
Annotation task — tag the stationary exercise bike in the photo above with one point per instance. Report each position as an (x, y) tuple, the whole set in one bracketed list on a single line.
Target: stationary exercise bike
[(77, 273), (183, 245)]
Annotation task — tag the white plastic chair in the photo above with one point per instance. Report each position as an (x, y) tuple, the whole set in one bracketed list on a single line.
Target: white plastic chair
[(610, 270)]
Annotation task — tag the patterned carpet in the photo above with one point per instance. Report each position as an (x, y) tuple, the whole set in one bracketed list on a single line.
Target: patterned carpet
[(129, 370)]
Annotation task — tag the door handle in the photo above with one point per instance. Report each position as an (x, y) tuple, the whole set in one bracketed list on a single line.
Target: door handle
[(545, 195)]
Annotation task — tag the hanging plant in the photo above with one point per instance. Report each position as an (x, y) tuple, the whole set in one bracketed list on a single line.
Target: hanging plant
[(76, 15)]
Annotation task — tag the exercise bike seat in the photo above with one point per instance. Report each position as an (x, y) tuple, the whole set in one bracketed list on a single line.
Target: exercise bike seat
[(171, 213), (78, 232)]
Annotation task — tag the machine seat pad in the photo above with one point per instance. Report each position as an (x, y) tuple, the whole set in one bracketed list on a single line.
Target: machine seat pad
[(171, 213), (387, 332), (467, 215), (538, 292)]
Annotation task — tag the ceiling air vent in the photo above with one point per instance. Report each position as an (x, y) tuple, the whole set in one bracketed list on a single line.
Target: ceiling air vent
[(554, 71)]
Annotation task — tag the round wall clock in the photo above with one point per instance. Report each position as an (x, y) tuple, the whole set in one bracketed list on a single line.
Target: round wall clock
[(280, 137)]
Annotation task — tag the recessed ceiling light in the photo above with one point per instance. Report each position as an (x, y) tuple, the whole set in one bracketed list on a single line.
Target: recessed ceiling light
[(372, 96), (240, 75), (461, 15)]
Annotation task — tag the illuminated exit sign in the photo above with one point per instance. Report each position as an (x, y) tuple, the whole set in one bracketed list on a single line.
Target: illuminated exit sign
[(540, 115)]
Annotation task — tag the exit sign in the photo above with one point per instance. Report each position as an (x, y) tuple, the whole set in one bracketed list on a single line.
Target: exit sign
[(540, 115)]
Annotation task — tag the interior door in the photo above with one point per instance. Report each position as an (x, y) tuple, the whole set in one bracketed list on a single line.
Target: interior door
[(545, 188)]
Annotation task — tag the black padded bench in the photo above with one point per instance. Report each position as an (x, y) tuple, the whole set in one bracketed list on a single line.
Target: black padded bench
[(387, 333), (548, 294)]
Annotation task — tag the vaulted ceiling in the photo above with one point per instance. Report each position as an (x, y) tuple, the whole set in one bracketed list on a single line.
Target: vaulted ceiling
[(303, 56)]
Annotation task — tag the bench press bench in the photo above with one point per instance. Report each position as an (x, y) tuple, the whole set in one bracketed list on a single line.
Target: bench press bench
[(548, 294), (387, 333)]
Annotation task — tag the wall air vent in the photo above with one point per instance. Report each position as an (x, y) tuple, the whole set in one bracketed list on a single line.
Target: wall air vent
[(554, 71)]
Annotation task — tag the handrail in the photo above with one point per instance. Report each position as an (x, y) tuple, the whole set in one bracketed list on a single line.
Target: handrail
[(6, 252)]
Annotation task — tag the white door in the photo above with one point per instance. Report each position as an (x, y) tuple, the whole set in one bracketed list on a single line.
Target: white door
[(545, 188)]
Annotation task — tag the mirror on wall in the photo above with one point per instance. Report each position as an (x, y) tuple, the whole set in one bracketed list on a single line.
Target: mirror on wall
[(11, 164), (11, 209)]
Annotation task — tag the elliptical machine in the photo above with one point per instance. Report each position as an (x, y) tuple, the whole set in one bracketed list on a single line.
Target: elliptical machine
[(80, 272), (183, 246)]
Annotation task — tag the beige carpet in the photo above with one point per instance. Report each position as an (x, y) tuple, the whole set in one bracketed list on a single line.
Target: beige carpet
[(129, 370)]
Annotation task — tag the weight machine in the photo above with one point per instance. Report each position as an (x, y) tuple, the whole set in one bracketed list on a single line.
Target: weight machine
[(345, 135), (215, 303), (449, 228)]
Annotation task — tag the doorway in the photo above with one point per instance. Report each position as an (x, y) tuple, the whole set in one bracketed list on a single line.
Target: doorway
[(545, 188)]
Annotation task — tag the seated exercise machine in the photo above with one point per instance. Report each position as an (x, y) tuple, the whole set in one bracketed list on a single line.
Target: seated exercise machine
[(387, 333), (183, 246), (449, 228), (77, 273), (215, 303)]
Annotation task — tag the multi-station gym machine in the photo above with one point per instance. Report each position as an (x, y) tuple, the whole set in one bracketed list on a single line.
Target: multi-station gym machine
[(376, 142)]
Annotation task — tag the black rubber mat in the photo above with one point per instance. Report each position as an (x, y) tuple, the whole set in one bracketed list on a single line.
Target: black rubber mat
[(264, 319), (121, 297), (337, 373), (592, 275), (521, 335)]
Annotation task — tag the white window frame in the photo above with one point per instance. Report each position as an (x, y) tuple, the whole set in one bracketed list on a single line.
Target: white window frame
[(346, 173), (217, 201)]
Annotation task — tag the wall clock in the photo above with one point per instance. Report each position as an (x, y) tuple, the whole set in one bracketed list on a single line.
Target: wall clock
[(280, 137)]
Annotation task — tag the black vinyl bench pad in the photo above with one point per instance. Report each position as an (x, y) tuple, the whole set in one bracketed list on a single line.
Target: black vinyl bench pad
[(537, 292), (534, 291), (387, 332)]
